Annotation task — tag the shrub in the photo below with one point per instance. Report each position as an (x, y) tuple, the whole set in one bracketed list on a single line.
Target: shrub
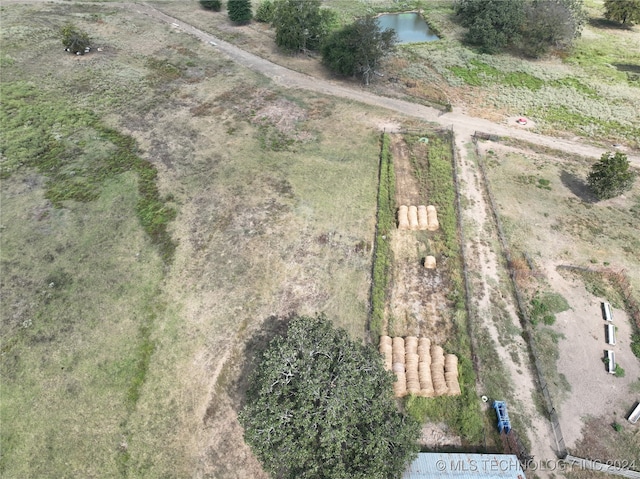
[(265, 11), (239, 11), (215, 5), (74, 40)]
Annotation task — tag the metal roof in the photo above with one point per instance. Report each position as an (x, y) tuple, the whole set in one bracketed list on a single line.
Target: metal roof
[(434, 465)]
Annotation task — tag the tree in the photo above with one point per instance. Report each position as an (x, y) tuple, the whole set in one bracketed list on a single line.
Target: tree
[(214, 5), (74, 40), (264, 12), (533, 25), (493, 24), (549, 23), (622, 11), (301, 25), (356, 49), (610, 176), (239, 11), (321, 406)]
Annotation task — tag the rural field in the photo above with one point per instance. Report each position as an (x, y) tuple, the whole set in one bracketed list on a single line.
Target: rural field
[(166, 209)]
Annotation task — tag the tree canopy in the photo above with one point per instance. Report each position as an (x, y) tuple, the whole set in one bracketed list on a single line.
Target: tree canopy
[(239, 11), (321, 406), (623, 11), (301, 25), (533, 26), (356, 49), (610, 176)]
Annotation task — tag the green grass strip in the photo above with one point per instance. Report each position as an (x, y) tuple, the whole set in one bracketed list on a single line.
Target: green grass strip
[(383, 255), (77, 154)]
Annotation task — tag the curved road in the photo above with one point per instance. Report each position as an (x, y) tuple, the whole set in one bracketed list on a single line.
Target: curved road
[(463, 125)]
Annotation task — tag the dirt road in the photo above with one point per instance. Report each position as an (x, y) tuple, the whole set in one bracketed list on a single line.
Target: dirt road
[(463, 125)]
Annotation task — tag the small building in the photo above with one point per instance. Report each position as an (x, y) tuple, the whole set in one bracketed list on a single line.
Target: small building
[(432, 465)]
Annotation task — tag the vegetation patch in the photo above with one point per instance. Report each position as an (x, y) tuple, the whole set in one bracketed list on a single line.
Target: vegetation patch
[(544, 307), (383, 255), (77, 154)]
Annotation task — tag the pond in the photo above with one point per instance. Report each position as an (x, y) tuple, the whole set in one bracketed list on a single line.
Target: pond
[(410, 27)]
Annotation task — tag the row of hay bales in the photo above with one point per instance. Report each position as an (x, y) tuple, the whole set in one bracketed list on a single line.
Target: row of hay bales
[(421, 368), (418, 218)]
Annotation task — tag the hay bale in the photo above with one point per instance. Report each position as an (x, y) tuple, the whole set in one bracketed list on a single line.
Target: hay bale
[(437, 355), (423, 221), (440, 387), (430, 262), (451, 363), (427, 393), (424, 349), (398, 350), (432, 218), (411, 358), (450, 376), (410, 344), (386, 340), (398, 368), (403, 217), (413, 387), (400, 385), (413, 217)]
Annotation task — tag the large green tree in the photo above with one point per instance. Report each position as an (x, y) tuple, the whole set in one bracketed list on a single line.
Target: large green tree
[(623, 11), (610, 176), (356, 49), (548, 24), (534, 26), (239, 11), (492, 24), (301, 25), (321, 406)]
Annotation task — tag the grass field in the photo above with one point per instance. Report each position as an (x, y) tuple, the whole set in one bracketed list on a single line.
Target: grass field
[(163, 210), (110, 355)]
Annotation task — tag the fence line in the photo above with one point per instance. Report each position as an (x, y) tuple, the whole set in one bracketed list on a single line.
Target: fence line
[(561, 450)]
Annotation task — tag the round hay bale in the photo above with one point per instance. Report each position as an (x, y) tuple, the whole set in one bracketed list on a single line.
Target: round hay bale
[(439, 388), (398, 368), (413, 217), (430, 262), (424, 343), (411, 357), (398, 342), (400, 385), (450, 376), (432, 218), (424, 366), (427, 393), (437, 354), (403, 217), (386, 340), (422, 217), (413, 387), (410, 344)]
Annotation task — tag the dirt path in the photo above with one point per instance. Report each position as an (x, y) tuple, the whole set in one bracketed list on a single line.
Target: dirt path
[(483, 263), (464, 125)]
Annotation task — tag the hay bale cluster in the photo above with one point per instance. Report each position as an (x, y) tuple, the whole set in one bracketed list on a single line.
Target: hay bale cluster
[(418, 218), (421, 368)]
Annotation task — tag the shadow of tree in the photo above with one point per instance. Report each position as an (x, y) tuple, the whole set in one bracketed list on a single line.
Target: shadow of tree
[(603, 23), (577, 186), (235, 376)]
